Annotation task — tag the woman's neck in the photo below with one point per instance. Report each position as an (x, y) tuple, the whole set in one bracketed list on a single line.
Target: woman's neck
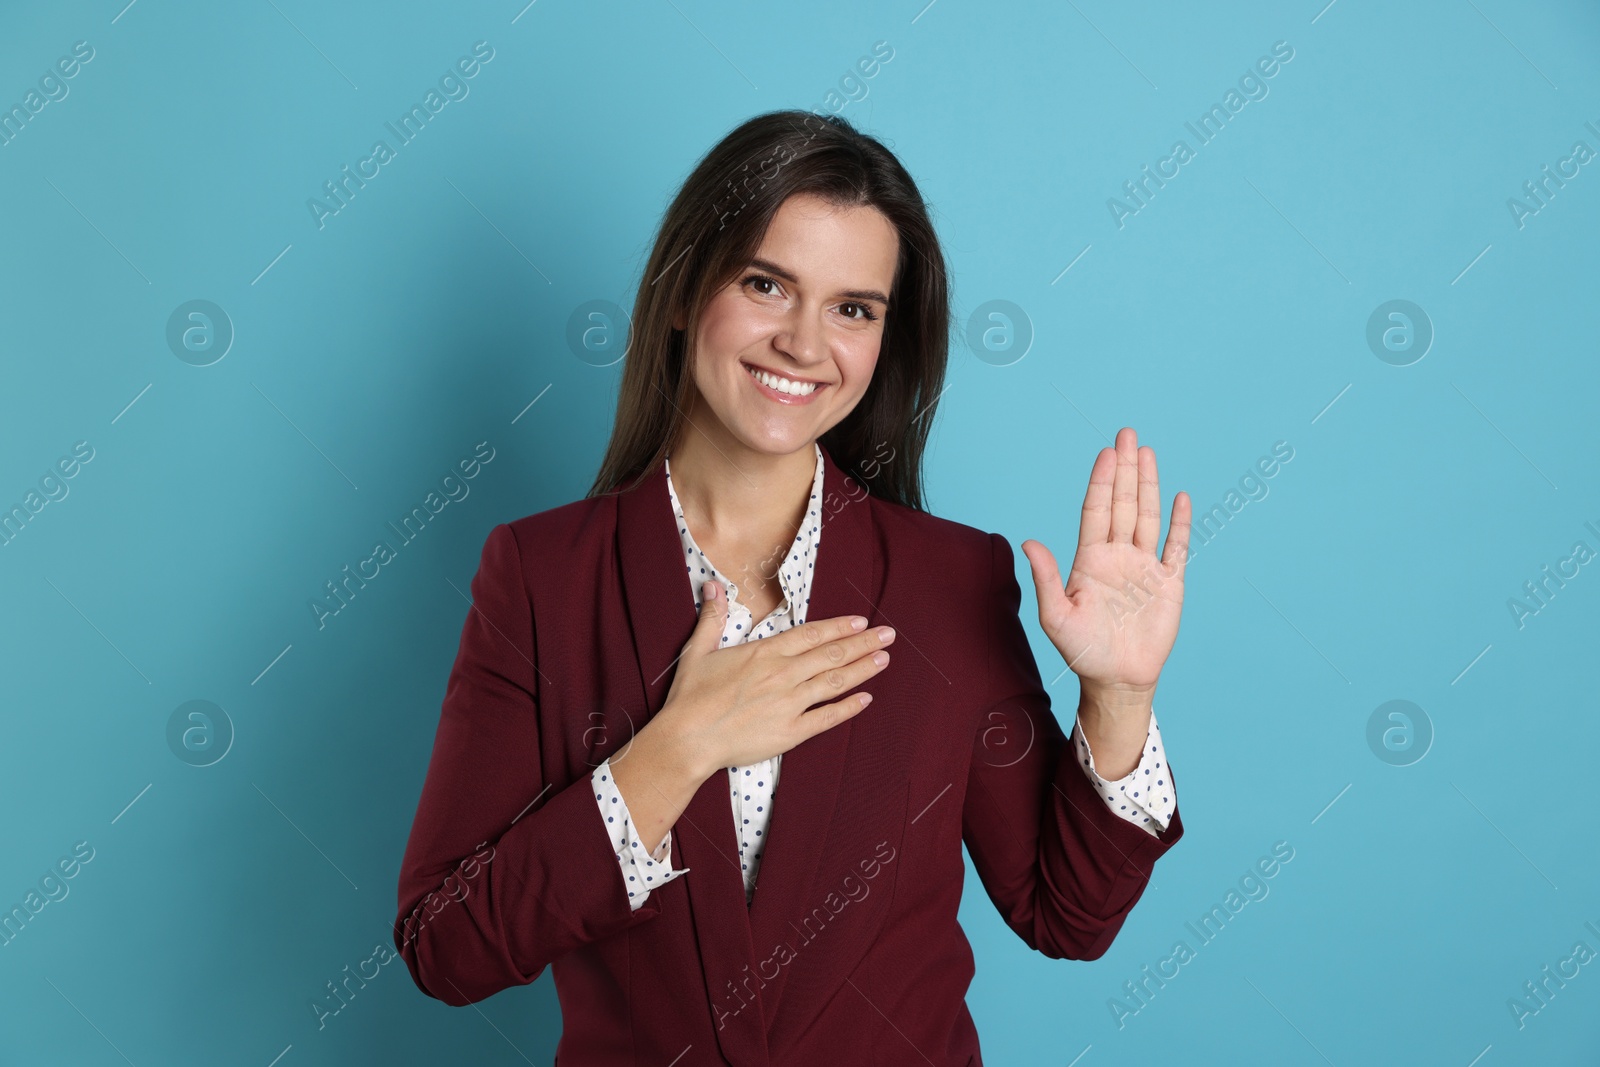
[(733, 495)]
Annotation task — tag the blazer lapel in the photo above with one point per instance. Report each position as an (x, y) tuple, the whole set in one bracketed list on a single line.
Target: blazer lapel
[(661, 613)]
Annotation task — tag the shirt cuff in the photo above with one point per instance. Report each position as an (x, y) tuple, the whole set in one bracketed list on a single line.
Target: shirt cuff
[(1145, 797), (641, 869)]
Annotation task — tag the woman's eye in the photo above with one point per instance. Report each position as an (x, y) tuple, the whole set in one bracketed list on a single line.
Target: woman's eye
[(864, 313)]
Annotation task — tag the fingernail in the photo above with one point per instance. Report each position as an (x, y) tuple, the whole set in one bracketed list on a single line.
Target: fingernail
[(858, 623), (886, 634)]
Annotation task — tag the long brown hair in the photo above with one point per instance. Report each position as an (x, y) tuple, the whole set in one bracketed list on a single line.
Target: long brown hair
[(712, 230)]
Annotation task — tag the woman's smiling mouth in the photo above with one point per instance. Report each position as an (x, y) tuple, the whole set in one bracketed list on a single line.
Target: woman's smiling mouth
[(781, 389)]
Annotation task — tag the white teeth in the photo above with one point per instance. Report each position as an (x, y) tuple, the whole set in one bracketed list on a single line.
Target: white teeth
[(782, 385)]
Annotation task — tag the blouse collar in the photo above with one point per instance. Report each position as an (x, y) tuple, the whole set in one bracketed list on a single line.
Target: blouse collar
[(794, 573)]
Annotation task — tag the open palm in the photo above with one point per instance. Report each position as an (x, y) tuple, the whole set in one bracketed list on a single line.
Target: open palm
[(1116, 618)]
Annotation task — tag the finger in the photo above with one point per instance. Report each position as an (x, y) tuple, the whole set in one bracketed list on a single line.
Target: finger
[(1147, 530), (1125, 486), (1176, 554), (707, 635), (1094, 527), (840, 651), (836, 680), (820, 720), (797, 640), (1047, 587)]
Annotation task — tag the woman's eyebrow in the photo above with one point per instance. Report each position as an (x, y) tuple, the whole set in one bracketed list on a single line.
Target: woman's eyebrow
[(790, 277)]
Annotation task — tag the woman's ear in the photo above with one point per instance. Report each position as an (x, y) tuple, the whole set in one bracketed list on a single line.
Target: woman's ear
[(679, 322)]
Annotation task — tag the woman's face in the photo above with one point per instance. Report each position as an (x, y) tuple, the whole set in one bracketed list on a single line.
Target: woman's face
[(809, 309)]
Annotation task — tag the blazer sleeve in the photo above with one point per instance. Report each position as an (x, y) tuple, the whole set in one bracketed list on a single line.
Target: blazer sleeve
[(1062, 869), (503, 873)]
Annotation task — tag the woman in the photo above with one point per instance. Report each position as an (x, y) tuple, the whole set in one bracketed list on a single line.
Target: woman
[(642, 668)]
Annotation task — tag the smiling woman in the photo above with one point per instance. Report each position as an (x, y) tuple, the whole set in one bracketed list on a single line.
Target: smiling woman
[(811, 259), (781, 360), (773, 351)]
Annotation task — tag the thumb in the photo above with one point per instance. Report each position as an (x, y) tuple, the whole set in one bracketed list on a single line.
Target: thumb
[(707, 636), (1047, 586)]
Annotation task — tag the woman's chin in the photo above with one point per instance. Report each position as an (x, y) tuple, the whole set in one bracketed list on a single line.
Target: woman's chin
[(776, 441)]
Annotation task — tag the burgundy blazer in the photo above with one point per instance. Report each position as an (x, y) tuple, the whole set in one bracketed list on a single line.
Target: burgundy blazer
[(850, 951)]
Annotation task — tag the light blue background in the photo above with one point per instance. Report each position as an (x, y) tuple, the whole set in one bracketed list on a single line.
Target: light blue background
[(1230, 313)]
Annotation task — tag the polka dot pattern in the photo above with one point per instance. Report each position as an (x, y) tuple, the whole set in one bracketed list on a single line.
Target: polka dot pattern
[(1146, 796), (642, 870), (750, 788)]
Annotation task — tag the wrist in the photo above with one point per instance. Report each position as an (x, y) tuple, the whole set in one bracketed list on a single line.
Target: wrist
[(670, 752), (1115, 722), (1115, 699)]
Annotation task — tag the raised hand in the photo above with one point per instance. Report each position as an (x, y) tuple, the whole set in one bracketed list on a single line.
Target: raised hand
[(1116, 618)]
